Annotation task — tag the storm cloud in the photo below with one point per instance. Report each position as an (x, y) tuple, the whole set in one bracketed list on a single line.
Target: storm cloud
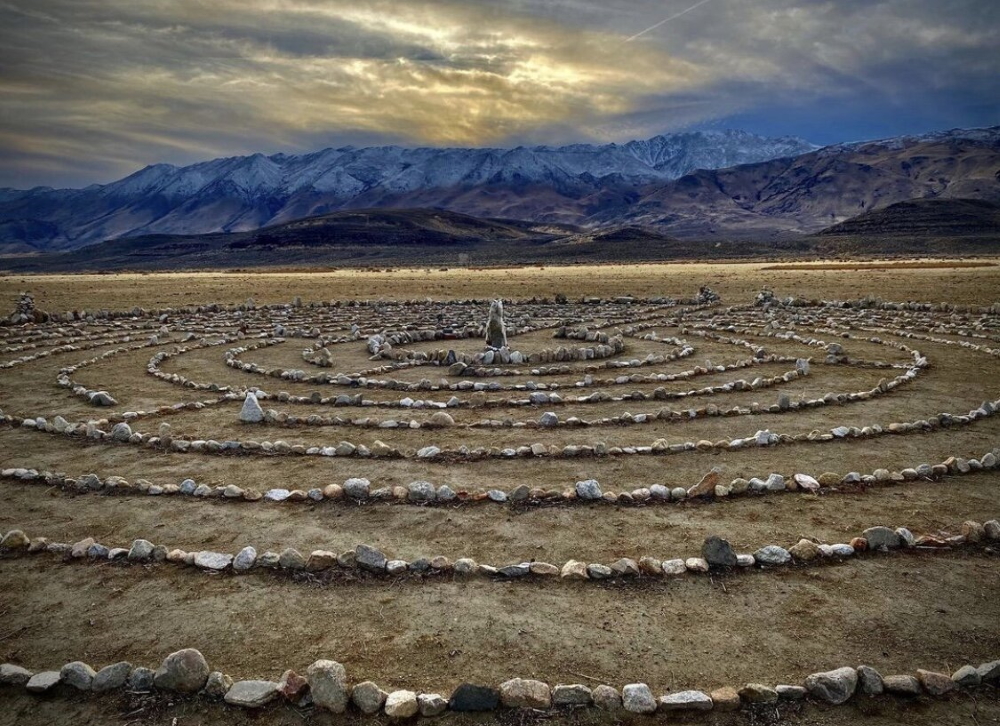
[(91, 90)]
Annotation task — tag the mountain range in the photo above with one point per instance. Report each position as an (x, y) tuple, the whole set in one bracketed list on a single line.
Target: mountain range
[(710, 185)]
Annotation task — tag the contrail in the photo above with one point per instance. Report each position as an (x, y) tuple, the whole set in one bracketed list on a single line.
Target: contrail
[(666, 20)]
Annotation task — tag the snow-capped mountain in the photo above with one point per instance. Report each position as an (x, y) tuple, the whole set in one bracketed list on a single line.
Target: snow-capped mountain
[(244, 193)]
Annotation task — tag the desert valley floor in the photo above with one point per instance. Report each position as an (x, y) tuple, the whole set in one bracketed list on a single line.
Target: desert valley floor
[(888, 412)]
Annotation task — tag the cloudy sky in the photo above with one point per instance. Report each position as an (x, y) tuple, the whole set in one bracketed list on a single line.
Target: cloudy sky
[(91, 90)]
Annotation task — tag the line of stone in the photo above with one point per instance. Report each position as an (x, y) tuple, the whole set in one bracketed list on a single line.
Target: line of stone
[(717, 555), (325, 686), (357, 491)]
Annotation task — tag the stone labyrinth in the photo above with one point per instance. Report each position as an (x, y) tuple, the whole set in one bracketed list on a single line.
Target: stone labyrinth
[(636, 452)]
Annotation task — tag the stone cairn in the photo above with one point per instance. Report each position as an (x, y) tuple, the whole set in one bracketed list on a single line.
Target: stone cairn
[(26, 312), (706, 295), (496, 332)]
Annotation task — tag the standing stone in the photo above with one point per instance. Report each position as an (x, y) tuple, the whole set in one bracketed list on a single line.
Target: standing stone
[(637, 698), (525, 693), (328, 684), (185, 671), (79, 675), (718, 552), (251, 411), (496, 331), (835, 686)]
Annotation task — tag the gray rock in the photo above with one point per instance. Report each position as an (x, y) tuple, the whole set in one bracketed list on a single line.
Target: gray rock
[(607, 698), (637, 698), (121, 432), (472, 697), (213, 561), (869, 681), (901, 685), (686, 701), (835, 686), (431, 704), (328, 685), (369, 558), (217, 685), (140, 680), (421, 491), (141, 551), (79, 675), (251, 411), (967, 677), (772, 555), (42, 682), (291, 559), (790, 693), (357, 488), (252, 694), (718, 552), (401, 704), (989, 672), (548, 419), (758, 693), (571, 695), (368, 698), (245, 559), (588, 489), (14, 675), (879, 537), (185, 671), (111, 677)]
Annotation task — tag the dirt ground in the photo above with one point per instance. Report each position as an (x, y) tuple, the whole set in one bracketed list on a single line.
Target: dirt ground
[(896, 612)]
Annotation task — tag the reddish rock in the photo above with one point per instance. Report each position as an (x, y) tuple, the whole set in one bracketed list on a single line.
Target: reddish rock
[(293, 686), (936, 684), (706, 487), (928, 540), (860, 544)]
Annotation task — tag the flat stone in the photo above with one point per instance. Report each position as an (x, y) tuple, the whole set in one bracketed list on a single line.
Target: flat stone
[(685, 701), (111, 677), (212, 560), (42, 682), (472, 697), (401, 704), (184, 671), (790, 693), (637, 698), (718, 552), (368, 697), (834, 687), (772, 555), (252, 694), (901, 685), (525, 693), (79, 675), (936, 684), (328, 685)]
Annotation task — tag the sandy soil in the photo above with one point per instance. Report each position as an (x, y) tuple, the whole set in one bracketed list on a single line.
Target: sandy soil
[(897, 613)]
